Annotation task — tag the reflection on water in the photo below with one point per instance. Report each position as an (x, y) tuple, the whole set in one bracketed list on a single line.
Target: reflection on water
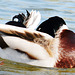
[(47, 8), (14, 68)]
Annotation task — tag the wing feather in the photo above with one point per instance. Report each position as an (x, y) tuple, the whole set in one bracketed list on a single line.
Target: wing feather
[(39, 38)]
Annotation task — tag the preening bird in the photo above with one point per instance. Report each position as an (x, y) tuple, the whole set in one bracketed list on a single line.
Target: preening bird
[(31, 20), (39, 48)]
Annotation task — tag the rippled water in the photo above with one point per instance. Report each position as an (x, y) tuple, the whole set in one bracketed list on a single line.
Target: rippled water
[(48, 8)]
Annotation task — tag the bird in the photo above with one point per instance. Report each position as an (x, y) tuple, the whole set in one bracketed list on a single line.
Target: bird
[(31, 20), (39, 48), (46, 39), (50, 25), (19, 20)]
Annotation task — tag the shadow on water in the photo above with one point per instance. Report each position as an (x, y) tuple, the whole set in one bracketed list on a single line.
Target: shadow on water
[(14, 68)]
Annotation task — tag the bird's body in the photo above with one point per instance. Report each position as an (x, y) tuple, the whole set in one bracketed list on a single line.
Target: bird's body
[(66, 49), (52, 45), (44, 50), (34, 44)]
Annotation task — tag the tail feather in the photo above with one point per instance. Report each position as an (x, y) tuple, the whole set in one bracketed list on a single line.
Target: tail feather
[(33, 20)]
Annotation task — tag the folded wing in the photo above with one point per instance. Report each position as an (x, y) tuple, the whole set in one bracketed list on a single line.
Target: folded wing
[(34, 43)]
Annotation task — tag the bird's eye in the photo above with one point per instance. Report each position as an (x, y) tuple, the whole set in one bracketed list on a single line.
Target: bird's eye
[(16, 20), (39, 29)]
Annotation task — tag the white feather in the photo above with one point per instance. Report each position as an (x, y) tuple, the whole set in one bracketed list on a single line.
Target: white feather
[(33, 20), (36, 21), (26, 46), (34, 49)]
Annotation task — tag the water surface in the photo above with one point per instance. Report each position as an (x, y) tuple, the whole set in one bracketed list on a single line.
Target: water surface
[(47, 8)]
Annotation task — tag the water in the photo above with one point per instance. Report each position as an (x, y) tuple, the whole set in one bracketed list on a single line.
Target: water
[(47, 8)]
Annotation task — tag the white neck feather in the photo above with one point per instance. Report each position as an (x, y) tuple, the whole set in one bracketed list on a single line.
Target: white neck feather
[(60, 30)]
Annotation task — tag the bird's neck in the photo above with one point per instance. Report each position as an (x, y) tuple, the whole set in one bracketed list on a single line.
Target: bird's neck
[(63, 27)]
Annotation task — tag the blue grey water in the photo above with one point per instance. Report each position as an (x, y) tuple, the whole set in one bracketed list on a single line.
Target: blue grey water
[(47, 8)]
